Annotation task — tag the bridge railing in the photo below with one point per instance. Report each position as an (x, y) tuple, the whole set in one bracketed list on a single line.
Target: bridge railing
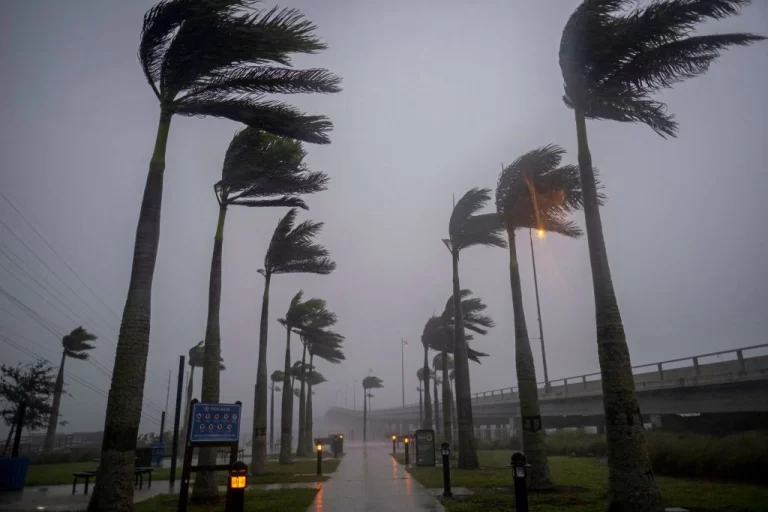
[(591, 382)]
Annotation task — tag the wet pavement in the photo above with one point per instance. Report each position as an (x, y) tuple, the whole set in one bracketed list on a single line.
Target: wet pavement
[(369, 480)]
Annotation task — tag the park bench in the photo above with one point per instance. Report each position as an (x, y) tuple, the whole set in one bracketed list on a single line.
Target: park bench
[(138, 473), (87, 475)]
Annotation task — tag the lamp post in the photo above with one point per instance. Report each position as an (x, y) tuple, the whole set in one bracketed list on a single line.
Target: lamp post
[(403, 343), (540, 233), (354, 396), (394, 444), (445, 451), (319, 458), (405, 441), (518, 465)]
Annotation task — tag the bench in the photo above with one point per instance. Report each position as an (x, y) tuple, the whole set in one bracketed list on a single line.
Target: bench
[(139, 474), (87, 475)]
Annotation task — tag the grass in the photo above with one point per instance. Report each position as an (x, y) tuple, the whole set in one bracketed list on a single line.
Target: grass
[(293, 500), (582, 486), (300, 471)]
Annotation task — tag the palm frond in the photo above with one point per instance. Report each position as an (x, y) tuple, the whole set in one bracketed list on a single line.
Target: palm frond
[(486, 229), (277, 376), (224, 83), (289, 201), (322, 266), (76, 343), (470, 203), (372, 382)]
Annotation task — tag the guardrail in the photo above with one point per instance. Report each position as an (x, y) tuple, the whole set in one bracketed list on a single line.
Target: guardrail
[(547, 389)]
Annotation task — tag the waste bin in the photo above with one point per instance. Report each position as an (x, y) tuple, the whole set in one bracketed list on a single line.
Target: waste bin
[(13, 473)]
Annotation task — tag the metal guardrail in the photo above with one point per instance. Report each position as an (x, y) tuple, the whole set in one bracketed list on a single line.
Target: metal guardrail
[(501, 393)]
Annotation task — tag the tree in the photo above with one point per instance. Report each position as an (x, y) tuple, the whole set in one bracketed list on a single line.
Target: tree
[(466, 229), (201, 58), (534, 192), (260, 170), (196, 359), (420, 376), (326, 345), (370, 382), (292, 250), (613, 62), (277, 376), (426, 421), (76, 346), (25, 391)]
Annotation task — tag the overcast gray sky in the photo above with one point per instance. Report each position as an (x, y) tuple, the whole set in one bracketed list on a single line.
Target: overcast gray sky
[(436, 96)]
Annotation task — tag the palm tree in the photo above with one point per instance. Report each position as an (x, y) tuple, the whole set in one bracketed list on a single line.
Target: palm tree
[(420, 376), (534, 192), (426, 421), (326, 345), (76, 346), (196, 360), (370, 382), (292, 250), (277, 376), (314, 378), (613, 62), (466, 229), (204, 58), (260, 170)]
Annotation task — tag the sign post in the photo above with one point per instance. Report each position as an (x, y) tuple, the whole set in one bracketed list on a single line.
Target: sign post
[(209, 425), (425, 447)]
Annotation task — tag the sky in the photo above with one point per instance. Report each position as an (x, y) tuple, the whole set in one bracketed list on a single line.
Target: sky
[(437, 96)]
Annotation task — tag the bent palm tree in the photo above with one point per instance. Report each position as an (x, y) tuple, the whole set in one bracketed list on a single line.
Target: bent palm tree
[(203, 58), (420, 376), (466, 229), (76, 346), (325, 345), (277, 376), (613, 62), (534, 193), (370, 382), (292, 250), (260, 170)]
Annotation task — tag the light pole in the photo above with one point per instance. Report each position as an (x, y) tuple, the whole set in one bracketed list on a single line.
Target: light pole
[(403, 343), (354, 396), (540, 233)]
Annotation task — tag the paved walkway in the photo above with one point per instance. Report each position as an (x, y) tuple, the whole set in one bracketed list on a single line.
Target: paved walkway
[(369, 480)]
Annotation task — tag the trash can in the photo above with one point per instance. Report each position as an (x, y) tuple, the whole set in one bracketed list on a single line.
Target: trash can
[(13, 473)]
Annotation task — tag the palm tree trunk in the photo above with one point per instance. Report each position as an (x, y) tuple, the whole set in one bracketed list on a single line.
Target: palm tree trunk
[(272, 417), (631, 485), (259, 456), (53, 420), (301, 446), (453, 412), (205, 488), (190, 388), (113, 489), (309, 440), (533, 438), (421, 405), (467, 449), (447, 402), (365, 415), (286, 413), (427, 423), (437, 402)]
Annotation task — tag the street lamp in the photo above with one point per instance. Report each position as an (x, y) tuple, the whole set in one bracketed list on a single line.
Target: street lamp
[(406, 449), (394, 444), (540, 233), (403, 343)]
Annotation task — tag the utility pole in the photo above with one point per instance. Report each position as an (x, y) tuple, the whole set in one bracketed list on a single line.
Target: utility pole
[(354, 396), (538, 311), (403, 343), (168, 391)]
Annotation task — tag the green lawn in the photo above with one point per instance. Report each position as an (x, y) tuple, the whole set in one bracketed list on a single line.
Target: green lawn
[(581, 483), (301, 471), (289, 500)]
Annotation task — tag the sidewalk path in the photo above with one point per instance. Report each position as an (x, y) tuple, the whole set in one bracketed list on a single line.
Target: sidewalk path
[(369, 480)]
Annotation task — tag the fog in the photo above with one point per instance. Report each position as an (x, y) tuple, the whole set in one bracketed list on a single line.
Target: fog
[(437, 95)]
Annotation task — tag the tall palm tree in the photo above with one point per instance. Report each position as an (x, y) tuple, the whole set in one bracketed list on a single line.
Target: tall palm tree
[(203, 58), (76, 346), (276, 377), (420, 376), (613, 62), (426, 421), (436, 381), (534, 192), (466, 229), (370, 382), (260, 170), (292, 250), (326, 345)]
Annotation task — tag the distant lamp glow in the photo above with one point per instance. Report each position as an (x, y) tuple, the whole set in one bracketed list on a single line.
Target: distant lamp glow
[(540, 233), (341, 436), (405, 440), (319, 447), (394, 437)]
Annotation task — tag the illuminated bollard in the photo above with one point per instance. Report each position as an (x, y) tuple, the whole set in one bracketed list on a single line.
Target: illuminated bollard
[(319, 458), (445, 451), (236, 484), (518, 465)]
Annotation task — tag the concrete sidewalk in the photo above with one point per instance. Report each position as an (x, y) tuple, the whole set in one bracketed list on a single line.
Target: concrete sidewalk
[(369, 480)]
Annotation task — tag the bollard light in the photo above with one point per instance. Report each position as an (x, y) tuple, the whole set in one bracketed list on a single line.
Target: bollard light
[(319, 458), (518, 464), (445, 451), (236, 484), (394, 444), (319, 447), (405, 440)]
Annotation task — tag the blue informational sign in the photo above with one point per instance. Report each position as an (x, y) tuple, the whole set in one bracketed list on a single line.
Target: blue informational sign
[(215, 423)]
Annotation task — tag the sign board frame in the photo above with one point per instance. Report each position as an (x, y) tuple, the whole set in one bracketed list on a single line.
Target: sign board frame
[(191, 444), (425, 444), (215, 423)]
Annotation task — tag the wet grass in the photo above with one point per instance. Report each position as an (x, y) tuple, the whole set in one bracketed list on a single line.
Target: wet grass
[(293, 500), (581, 485), (300, 471)]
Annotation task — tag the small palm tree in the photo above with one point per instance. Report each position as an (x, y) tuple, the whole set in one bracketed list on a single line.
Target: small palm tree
[(534, 192), (260, 170), (370, 382), (466, 229), (202, 58), (76, 346), (326, 345), (426, 421), (276, 377), (292, 250), (420, 376), (613, 62)]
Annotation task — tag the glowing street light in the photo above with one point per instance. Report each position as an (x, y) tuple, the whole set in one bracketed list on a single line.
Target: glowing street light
[(540, 233)]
